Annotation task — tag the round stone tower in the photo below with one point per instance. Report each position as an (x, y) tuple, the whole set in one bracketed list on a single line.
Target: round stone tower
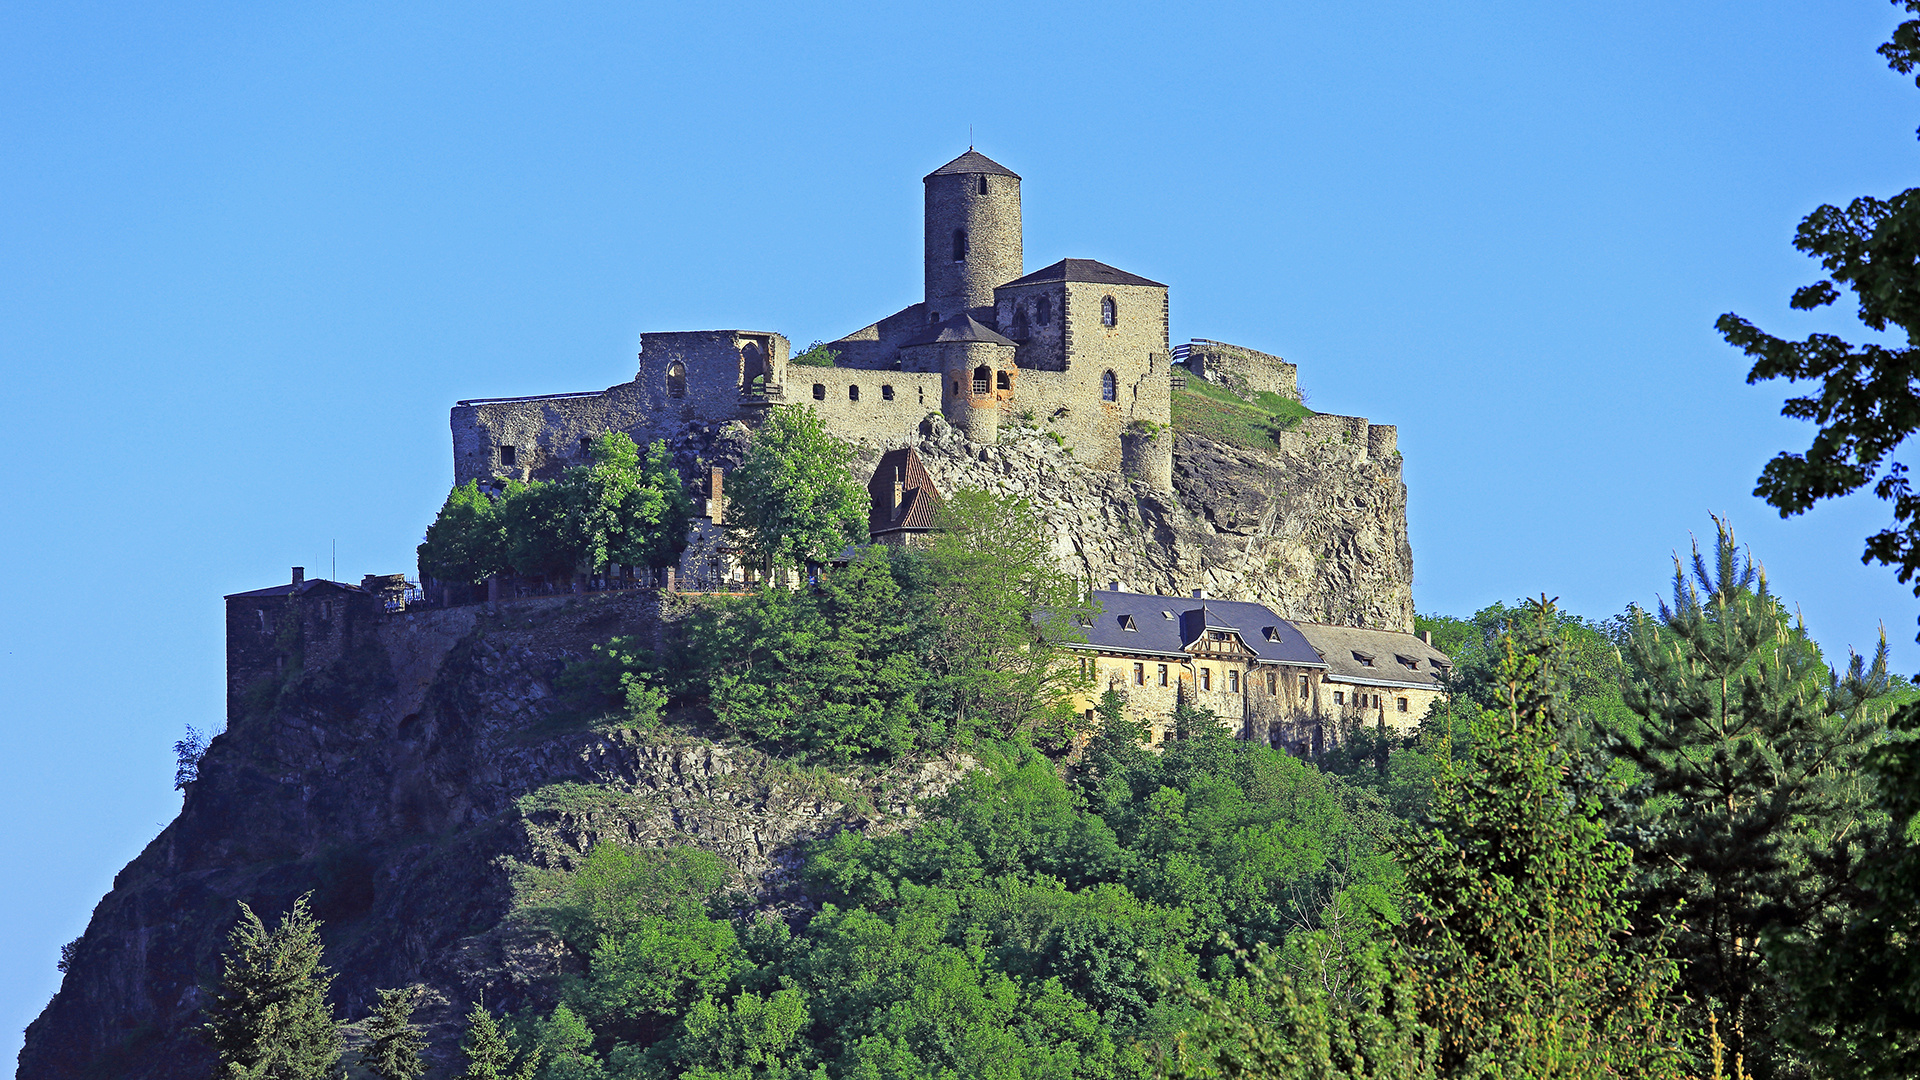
[(973, 235)]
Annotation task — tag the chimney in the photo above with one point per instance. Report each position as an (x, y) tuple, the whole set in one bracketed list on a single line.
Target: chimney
[(899, 489), (299, 574), (1427, 636), (716, 507)]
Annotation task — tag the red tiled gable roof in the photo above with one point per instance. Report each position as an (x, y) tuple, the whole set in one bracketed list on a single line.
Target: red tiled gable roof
[(919, 499)]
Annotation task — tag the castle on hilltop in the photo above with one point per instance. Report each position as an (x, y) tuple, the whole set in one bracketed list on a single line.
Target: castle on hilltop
[(1078, 346)]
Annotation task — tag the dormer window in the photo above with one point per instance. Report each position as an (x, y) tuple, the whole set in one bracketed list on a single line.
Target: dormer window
[(1273, 633), (1364, 659), (1407, 662), (959, 245), (1109, 312), (1127, 623)]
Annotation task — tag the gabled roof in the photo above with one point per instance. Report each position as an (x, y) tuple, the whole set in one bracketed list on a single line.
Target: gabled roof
[(919, 499), (973, 161), (301, 589), (1083, 270), (962, 327), (1376, 657), (1161, 625)]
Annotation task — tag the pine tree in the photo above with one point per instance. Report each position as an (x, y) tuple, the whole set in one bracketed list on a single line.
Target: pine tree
[(1749, 776), (489, 1054), (1520, 941), (393, 1042), (270, 1019)]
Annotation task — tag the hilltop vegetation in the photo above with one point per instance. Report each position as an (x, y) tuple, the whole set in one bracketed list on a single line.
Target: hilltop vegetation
[(1219, 415)]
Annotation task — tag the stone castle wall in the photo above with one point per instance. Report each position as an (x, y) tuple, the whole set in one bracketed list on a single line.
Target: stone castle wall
[(1244, 371)]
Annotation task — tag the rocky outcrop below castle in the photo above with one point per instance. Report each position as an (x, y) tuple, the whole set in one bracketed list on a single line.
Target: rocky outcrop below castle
[(402, 785), (1316, 529)]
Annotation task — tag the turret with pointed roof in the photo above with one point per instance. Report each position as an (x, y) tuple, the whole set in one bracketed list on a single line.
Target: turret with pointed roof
[(973, 235)]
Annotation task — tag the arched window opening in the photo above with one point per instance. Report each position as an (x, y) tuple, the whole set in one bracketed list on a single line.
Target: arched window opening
[(959, 245), (819, 391), (1003, 380), (983, 184), (1109, 312), (982, 377), (1043, 310), (1019, 324), (853, 392), (676, 380), (1109, 387)]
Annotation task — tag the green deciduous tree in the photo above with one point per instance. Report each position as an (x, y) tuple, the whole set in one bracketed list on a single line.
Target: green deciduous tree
[(793, 498), (467, 542), (1868, 403), (1520, 937), (1001, 607), (270, 1019), (393, 1042), (1749, 777)]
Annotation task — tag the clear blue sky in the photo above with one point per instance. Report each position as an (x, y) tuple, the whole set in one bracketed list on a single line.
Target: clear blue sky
[(250, 254)]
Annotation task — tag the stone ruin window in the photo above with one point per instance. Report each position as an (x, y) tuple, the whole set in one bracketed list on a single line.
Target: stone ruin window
[(983, 184), (1019, 324), (886, 392), (1043, 310), (1109, 387), (676, 380), (506, 455), (819, 391), (959, 245), (853, 392), (982, 378), (1109, 312), (1003, 380)]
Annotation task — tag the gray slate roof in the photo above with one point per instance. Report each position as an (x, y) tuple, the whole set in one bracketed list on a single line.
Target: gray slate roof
[(961, 327), (1153, 632), (301, 589), (1386, 653), (1083, 270), (972, 162)]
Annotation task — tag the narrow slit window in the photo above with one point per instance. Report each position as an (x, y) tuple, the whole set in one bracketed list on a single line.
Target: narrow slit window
[(586, 446), (959, 245), (1109, 386), (983, 185), (1273, 683), (853, 392)]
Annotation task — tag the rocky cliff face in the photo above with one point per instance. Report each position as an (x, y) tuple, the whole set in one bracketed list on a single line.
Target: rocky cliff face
[(402, 788), (1316, 529)]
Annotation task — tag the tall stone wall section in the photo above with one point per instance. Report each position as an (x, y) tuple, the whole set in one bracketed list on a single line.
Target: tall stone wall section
[(1246, 372)]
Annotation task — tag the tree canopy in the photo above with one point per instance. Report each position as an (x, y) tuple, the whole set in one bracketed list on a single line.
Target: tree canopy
[(793, 498)]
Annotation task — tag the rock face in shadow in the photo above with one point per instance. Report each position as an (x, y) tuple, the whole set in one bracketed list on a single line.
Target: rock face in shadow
[(401, 789), (1316, 530)]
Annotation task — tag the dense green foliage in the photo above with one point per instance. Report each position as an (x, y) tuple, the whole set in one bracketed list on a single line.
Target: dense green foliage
[(814, 355), (793, 500), (619, 508), (269, 1019), (393, 1042), (1869, 398)]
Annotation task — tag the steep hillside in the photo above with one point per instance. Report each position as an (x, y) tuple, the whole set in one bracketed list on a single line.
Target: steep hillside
[(403, 787)]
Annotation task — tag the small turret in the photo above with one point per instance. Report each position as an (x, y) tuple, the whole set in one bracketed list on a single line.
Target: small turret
[(973, 235)]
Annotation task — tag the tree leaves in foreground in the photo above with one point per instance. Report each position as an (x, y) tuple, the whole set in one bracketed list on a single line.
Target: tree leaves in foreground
[(1869, 398), (1750, 779), (270, 1019), (793, 500)]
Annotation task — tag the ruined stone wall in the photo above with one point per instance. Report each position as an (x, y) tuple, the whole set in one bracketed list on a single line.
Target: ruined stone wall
[(855, 404), (1244, 371)]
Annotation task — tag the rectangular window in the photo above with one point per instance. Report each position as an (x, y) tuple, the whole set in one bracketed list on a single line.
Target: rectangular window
[(506, 455), (1163, 674), (1233, 682), (1403, 704), (886, 392), (1139, 674), (586, 446), (1339, 697), (1003, 381), (819, 391), (1303, 689), (1206, 678), (1273, 683)]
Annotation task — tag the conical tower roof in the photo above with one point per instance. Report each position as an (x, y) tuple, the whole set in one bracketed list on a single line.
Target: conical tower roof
[(970, 163)]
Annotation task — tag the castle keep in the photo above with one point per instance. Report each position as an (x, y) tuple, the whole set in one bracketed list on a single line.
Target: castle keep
[(1079, 347)]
